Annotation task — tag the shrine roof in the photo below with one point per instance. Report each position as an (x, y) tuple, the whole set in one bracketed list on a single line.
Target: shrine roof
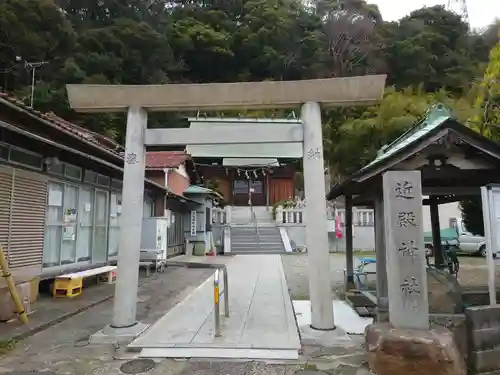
[(195, 189), (436, 116), (165, 159)]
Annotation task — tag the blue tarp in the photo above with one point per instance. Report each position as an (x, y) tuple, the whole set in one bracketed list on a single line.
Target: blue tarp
[(448, 235)]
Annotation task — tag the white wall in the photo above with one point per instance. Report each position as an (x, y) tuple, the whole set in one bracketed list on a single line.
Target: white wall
[(446, 212), (364, 236)]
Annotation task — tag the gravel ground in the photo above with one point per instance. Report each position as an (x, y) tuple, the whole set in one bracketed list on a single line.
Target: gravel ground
[(473, 273), (295, 266)]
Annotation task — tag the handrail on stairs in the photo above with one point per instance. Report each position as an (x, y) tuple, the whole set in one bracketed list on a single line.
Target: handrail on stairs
[(253, 218), (255, 223)]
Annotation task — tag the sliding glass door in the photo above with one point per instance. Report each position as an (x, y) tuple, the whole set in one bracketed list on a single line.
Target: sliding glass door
[(86, 225), (100, 248)]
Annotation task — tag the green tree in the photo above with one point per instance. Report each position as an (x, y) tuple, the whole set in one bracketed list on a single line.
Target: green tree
[(32, 31), (430, 47), (278, 40), (356, 140), (158, 41), (487, 122), (472, 215)]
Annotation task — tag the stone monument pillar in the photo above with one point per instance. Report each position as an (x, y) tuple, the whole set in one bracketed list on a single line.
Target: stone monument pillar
[(406, 345), (405, 254)]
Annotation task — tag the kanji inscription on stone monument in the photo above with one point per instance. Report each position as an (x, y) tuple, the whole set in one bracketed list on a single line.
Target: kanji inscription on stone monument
[(404, 189), (406, 274)]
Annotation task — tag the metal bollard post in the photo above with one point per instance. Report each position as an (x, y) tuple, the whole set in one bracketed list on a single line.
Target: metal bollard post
[(226, 294), (216, 304)]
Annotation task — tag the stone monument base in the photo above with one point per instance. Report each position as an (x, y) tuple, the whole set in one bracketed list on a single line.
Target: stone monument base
[(394, 351)]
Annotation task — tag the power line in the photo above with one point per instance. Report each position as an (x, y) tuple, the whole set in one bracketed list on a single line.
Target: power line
[(459, 7)]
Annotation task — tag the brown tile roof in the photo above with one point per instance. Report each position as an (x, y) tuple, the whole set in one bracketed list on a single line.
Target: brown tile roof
[(66, 126), (165, 159)]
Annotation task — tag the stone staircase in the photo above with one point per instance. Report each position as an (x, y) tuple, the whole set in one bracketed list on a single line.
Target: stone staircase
[(247, 238)]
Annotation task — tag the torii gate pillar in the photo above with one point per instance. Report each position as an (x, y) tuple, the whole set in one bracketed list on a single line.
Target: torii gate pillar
[(126, 287), (320, 289)]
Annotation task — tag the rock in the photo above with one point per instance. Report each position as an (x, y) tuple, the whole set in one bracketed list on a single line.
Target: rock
[(417, 352), (445, 293)]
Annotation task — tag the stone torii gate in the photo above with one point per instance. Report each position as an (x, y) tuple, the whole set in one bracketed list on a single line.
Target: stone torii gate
[(306, 137)]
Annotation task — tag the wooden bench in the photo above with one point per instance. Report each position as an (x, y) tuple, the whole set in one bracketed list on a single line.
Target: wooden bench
[(71, 284)]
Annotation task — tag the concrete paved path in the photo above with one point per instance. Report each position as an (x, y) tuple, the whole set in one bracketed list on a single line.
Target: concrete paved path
[(261, 323)]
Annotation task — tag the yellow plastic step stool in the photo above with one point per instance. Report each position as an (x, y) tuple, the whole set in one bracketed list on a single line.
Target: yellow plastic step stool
[(67, 288)]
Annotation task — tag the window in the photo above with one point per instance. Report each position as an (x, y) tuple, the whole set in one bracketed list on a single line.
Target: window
[(101, 222), (54, 225), (56, 168), (341, 214), (4, 152), (73, 172), (26, 158), (175, 233), (148, 206), (90, 177), (115, 213), (365, 218), (70, 226), (103, 180), (241, 187), (116, 185), (257, 187), (77, 220)]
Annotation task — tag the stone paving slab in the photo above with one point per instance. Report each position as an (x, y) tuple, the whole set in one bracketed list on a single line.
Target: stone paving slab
[(261, 316), (64, 347)]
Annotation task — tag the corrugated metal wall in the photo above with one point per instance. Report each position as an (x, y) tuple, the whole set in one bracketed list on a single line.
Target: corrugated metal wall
[(23, 201)]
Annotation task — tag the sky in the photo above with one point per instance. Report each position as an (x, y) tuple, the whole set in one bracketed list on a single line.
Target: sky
[(481, 12)]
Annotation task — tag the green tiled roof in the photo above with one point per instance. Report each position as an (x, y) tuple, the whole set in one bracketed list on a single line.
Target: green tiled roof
[(436, 115), (193, 189)]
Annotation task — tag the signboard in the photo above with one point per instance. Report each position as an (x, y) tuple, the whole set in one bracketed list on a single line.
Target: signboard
[(193, 223), (490, 196), (69, 233)]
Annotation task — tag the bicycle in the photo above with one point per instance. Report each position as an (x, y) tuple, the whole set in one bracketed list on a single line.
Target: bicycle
[(450, 258)]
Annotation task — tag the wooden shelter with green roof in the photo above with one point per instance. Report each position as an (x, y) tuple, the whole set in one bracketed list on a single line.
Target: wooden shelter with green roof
[(454, 161)]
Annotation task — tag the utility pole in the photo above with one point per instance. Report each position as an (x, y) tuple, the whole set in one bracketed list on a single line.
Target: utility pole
[(33, 66)]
